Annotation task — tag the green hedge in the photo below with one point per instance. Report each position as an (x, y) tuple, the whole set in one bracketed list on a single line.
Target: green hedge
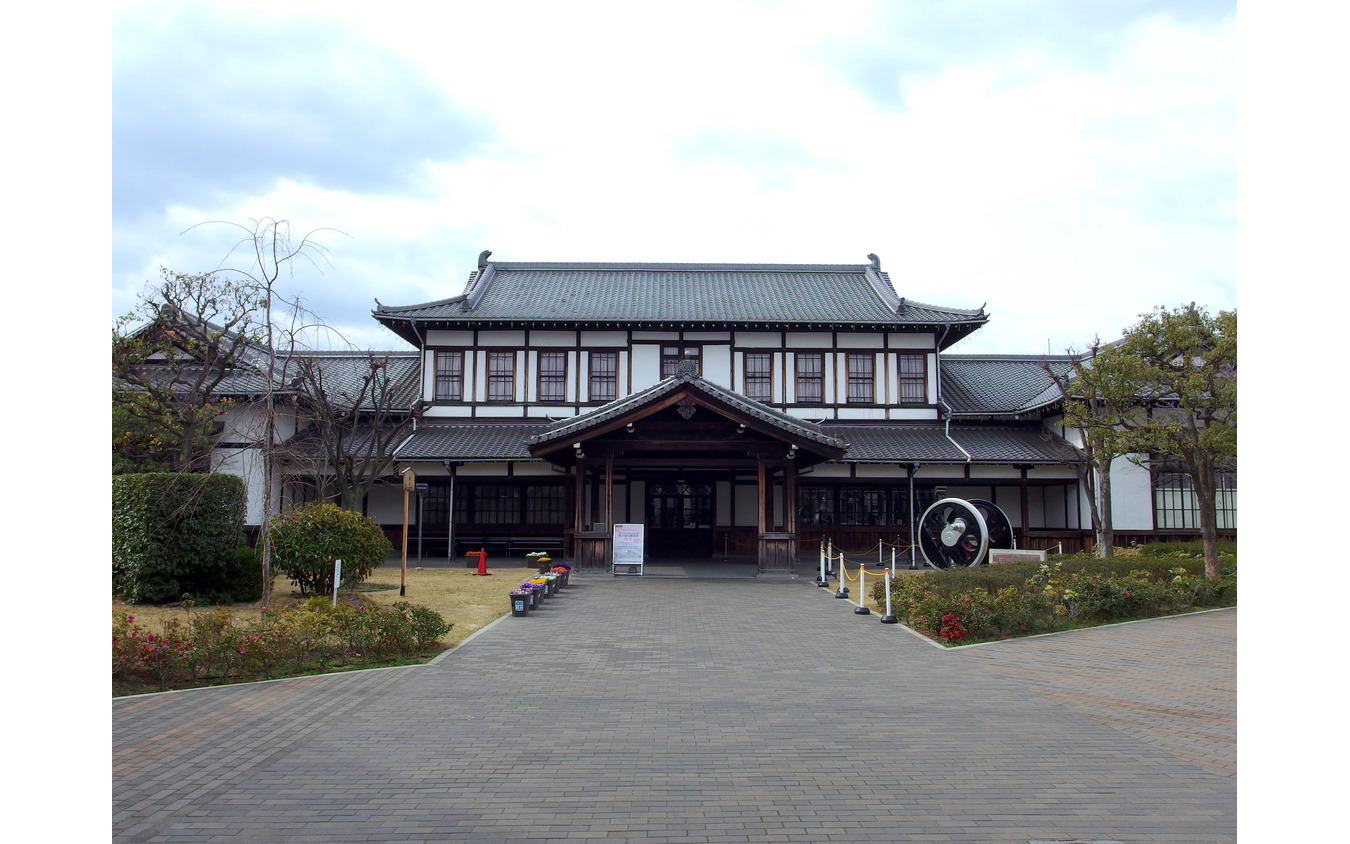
[(179, 534)]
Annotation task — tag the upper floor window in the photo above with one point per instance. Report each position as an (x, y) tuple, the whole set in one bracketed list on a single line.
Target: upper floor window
[(501, 376), (449, 376), (913, 378), (552, 376), (673, 353), (861, 370), (810, 377), (759, 376), (604, 375)]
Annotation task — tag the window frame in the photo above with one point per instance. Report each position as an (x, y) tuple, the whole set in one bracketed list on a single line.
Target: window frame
[(496, 378), (555, 380), (910, 384), (443, 378), (610, 379), (856, 381), (817, 378), (760, 378)]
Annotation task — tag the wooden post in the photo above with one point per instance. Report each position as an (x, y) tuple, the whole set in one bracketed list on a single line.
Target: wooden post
[(763, 497), (609, 493)]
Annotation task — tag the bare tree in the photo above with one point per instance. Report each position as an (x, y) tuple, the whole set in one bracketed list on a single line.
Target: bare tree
[(359, 407), (269, 251)]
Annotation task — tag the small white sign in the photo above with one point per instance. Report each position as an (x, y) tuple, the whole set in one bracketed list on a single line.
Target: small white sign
[(628, 547)]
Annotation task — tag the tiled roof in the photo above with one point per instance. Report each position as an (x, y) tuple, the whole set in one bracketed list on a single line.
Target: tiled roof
[(928, 443), (790, 425), (685, 294), (343, 373), (1003, 385), (470, 441)]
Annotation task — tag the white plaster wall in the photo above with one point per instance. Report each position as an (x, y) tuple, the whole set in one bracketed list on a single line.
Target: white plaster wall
[(717, 365), (448, 411), (917, 413), (553, 338), (449, 338), (646, 366), (849, 340), (759, 339), (809, 340), (861, 413), (905, 340), (384, 504), (501, 338), (1131, 496), (602, 339)]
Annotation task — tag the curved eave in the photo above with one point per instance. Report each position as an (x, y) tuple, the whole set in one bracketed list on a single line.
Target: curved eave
[(413, 329)]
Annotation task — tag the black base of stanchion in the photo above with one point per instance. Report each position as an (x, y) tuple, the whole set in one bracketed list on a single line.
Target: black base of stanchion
[(861, 611), (823, 584), (889, 619), (842, 593)]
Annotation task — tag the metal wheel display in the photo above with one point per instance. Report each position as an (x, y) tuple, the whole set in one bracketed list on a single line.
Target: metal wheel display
[(1000, 527), (953, 533)]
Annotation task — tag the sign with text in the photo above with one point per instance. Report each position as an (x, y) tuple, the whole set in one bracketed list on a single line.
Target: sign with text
[(628, 549)]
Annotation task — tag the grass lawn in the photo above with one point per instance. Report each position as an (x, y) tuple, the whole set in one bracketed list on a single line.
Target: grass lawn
[(461, 597)]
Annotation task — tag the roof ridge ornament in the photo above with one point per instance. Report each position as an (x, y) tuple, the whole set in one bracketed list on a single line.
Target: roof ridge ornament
[(686, 370), (483, 258), (876, 262)]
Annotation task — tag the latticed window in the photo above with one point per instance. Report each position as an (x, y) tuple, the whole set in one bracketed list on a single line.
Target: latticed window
[(815, 505), (489, 504), (545, 505), (861, 371), (913, 373), (604, 376), (501, 376), (449, 376), (759, 376), (1174, 502), (863, 506), (810, 377), (552, 376)]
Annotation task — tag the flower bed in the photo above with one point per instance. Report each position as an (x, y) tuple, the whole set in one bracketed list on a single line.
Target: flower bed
[(209, 647), (962, 606)]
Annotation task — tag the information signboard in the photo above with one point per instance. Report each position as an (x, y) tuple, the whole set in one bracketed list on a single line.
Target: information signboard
[(628, 549)]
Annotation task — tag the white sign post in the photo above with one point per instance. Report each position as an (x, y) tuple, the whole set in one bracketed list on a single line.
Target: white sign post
[(628, 549)]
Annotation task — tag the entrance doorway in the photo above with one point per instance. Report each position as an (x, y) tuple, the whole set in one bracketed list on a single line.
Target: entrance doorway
[(680, 519)]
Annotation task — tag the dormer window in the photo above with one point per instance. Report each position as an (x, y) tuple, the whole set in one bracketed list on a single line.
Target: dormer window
[(673, 353)]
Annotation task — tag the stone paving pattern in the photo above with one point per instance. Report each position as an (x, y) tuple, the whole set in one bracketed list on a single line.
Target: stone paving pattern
[(674, 710)]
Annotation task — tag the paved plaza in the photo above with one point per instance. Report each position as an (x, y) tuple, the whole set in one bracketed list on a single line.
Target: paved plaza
[(706, 710)]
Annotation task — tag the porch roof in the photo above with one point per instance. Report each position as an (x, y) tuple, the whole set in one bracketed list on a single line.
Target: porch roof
[(469, 441), (929, 443)]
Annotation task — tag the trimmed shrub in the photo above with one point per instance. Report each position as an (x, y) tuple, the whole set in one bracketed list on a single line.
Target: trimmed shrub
[(307, 540), (175, 534)]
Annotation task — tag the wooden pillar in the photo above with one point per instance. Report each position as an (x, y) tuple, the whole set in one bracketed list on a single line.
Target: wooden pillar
[(1025, 490), (790, 498), (764, 499), (579, 508), (609, 493)]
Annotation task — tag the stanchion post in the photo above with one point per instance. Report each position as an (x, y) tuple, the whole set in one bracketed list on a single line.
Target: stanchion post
[(889, 617), (830, 557), (822, 582), (843, 575), (862, 609)]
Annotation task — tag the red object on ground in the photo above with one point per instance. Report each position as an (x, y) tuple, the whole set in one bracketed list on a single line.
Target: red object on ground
[(482, 561)]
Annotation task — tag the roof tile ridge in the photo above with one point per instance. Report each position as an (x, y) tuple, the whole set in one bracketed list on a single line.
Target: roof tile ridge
[(667, 266)]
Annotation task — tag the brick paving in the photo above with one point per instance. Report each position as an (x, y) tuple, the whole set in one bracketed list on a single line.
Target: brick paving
[(702, 710)]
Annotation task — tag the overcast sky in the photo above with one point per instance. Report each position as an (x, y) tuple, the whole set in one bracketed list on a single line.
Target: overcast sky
[(1068, 164)]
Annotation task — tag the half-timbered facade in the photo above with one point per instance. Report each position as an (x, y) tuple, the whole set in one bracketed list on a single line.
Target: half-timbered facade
[(733, 409)]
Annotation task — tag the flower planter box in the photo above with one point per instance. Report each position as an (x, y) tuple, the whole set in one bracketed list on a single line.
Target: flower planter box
[(520, 603)]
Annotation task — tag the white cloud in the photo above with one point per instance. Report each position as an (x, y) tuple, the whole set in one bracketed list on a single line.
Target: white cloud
[(1070, 168)]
